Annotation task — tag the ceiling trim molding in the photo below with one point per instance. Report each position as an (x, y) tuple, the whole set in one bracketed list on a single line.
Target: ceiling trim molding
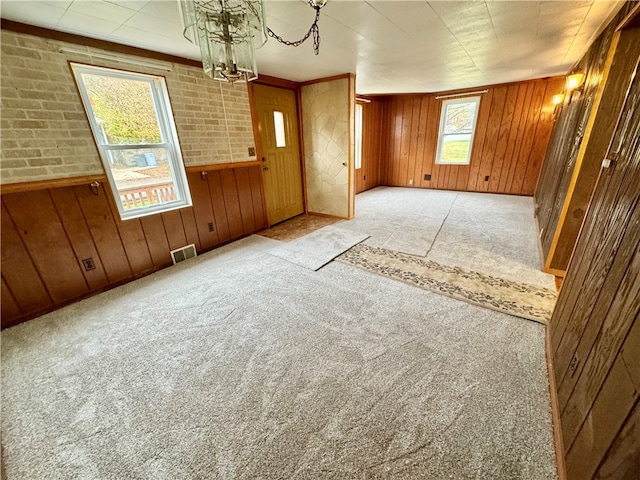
[(270, 81), (328, 79), (94, 43), (459, 90)]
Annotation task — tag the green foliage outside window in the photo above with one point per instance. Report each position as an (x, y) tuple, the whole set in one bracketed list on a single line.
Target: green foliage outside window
[(124, 110)]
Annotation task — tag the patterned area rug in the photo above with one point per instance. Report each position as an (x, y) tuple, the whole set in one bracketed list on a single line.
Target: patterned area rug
[(518, 299)]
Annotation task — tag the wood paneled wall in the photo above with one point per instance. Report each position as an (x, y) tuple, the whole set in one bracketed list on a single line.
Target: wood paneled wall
[(580, 138), (47, 233), (595, 328), (368, 176), (513, 129)]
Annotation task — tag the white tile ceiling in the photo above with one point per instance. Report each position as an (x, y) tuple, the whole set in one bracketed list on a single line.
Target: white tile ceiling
[(392, 46)]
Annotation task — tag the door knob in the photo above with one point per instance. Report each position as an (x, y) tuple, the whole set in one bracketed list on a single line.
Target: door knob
[(265, 168)]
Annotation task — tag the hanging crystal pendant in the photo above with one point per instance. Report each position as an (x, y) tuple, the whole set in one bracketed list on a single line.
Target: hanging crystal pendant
[(227, 32)]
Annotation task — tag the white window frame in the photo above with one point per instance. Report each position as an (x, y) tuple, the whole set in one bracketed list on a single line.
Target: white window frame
[(168, 133), (442, 135)]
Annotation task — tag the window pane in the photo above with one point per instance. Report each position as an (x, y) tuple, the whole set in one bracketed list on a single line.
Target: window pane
[(143, 177), (358, 136), (132, 123), (457, 124), (460, 118), (455, 148), (123, 109), (278, 121)]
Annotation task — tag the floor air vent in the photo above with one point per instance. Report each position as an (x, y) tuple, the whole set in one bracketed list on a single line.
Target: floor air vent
[(183, 253)]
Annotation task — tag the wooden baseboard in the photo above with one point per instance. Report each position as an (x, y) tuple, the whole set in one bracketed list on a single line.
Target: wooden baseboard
[(558, 441)]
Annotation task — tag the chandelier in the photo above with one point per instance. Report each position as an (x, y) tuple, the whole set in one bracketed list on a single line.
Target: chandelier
[(229, 31)]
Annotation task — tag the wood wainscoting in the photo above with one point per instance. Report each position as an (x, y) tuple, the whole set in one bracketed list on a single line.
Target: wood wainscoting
[(48, 232), (513, 129)]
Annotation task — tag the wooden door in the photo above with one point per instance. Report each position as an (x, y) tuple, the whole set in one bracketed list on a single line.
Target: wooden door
[(278, 130), (595, 329)]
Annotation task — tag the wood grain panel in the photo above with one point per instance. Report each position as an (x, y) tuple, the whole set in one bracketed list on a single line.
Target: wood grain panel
[(174, 229), (594, 331), (386, 142), (99, 218), (156, 239), (484, 113), (529, 137), (255, 181), (572, 345), (610, 409), (602, 353), (429, 166), (60, 227), (78, 232), (619, 70), (512, 133), (231, 203), (623, 458), (133, 239), (423, 133), (219, 209), (514, 140), (491, 139), (41, 230), (10, 308), (19, 272), (243, 186), (397, 117), (190, 227), (560, 178), (504, 132), (203, 210), (544, 127), (608, 260)]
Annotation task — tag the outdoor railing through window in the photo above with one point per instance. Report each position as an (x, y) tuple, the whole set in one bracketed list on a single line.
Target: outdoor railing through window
[(136, 197)]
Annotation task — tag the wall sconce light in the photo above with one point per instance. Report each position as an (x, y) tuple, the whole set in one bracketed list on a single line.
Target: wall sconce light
[(557, 99), (574, 81)]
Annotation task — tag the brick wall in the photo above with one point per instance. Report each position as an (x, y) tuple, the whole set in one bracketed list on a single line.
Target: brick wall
[(44, 131)]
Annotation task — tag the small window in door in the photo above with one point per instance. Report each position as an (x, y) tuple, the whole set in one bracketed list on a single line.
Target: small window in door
[(278, 122)]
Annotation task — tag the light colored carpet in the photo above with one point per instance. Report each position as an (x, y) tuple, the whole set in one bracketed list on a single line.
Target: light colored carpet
[(239, 365), (515, 298), (316, 249), (487, 233)]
